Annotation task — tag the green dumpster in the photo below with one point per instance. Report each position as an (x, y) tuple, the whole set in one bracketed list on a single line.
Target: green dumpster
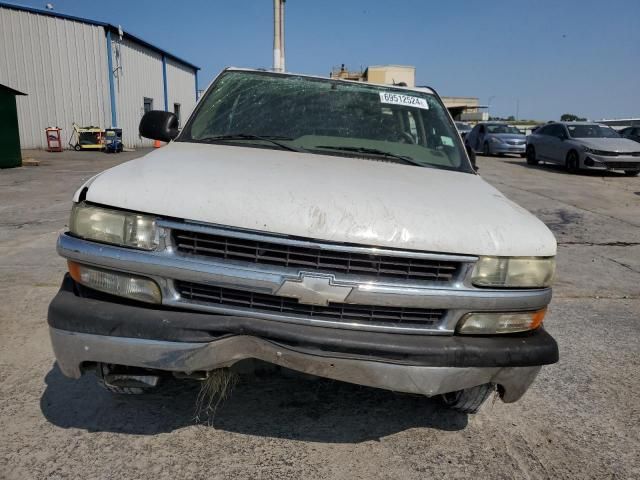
[(9, 133)]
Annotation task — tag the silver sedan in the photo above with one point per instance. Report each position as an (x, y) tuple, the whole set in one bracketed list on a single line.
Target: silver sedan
[(583, 145), (496, 139)]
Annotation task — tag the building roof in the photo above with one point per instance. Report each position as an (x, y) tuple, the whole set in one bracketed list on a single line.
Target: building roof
[(106, 26), (11, 90)]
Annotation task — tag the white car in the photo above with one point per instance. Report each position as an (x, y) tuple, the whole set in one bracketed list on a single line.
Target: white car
[(332, 227), (583, 145)]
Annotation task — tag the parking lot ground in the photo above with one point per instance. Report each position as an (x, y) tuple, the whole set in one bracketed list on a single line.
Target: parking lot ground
[(580, 419)]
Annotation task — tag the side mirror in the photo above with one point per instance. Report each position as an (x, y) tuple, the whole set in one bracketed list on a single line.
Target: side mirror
[(159, 125)]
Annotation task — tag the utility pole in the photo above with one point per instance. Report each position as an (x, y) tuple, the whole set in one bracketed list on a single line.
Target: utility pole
[(278, 35)]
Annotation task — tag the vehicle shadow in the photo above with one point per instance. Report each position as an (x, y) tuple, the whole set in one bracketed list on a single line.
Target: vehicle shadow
[(270, 405), (554, 168)]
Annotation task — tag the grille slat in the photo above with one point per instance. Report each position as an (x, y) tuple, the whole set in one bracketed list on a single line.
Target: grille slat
[(312, 258), (339, 312), (623, 165)]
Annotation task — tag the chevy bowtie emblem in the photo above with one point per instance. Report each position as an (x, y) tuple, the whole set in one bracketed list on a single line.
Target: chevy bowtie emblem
[(314, 289)]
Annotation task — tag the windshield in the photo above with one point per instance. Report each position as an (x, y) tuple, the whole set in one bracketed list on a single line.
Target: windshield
[(592, 131), (503, 129), (322, 116)]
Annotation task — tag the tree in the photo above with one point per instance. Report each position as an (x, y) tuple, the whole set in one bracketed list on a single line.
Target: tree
[(570, 117)]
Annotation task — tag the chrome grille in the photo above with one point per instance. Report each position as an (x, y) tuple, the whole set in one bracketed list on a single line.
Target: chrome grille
[(318, 259), (338, 312)]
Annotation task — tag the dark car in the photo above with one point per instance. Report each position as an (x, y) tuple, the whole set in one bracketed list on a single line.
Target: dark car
[(632, 133)]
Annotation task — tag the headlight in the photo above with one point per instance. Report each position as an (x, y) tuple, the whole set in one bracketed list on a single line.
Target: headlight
[(490, 323), (588, 150), (116, 283), (515, 272), (113, 226), (495, 140)]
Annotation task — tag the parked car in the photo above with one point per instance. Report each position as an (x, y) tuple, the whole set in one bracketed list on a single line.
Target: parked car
[(317, 224), (496, 139), (463, 128), (632, 133), (583, 145)]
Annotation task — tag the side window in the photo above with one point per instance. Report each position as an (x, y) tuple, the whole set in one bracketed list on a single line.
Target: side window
[(636, 132), (148, 104), (481, 130), (543, 130), (554, 131)]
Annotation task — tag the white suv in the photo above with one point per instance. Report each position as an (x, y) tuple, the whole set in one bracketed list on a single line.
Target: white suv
[(332, 227)]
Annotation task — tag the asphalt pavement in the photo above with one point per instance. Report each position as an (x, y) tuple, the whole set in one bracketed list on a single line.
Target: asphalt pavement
[(580, 419)]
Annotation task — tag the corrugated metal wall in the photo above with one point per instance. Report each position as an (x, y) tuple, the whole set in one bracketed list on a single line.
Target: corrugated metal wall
[(139, 75), (61, 65), (181, 84)]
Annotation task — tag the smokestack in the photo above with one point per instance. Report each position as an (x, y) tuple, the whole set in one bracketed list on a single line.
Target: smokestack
[(282, 66), (278, 35)]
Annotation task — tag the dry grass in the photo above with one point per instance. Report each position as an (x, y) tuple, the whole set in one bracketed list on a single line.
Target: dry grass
[(215, 389)]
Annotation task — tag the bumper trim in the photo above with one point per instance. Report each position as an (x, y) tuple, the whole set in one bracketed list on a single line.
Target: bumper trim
[(74, 349), (108, 316)]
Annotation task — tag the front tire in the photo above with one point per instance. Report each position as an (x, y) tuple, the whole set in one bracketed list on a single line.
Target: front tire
[(469, 400), (531, 156), (122, 390), (486, 149), (631, 173), (573, 162)]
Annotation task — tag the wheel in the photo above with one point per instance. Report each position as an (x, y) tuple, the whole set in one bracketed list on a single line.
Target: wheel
[(77, 147), (523, 155), (126, 382), (631, 173), (486, 150), (469, 400), (573, 163), (531, 156), (122, 390)]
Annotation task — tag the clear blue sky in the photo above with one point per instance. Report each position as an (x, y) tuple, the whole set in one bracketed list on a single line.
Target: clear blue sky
[(573, 56)]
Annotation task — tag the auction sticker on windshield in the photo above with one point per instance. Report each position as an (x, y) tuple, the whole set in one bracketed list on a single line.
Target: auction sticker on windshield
[(406, 100)]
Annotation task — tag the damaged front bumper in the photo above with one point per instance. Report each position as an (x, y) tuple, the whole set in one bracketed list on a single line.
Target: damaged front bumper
[(87, 331)]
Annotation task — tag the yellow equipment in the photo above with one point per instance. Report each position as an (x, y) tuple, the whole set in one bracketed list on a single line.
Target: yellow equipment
[(86, 138)]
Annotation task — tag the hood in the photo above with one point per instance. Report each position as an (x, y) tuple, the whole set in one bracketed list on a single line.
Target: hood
[(621, 145), (324, 197)]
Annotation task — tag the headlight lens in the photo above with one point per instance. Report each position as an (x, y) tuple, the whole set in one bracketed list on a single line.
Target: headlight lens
[(113, 226), (491, 323), (495, 140), (116, 283), (515, 272)]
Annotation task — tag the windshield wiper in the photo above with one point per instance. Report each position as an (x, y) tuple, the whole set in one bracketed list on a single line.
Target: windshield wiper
[(273, 139), (372, 151)]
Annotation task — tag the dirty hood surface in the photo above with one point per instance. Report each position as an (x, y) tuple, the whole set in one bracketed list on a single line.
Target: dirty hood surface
[(324, 197)]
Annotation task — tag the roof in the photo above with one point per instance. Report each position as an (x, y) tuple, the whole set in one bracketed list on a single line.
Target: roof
[(106, 26), (11, 90), (423, 89), (578, 123)]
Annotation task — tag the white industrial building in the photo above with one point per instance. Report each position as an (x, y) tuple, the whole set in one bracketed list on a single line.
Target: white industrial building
[(91, 73)]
